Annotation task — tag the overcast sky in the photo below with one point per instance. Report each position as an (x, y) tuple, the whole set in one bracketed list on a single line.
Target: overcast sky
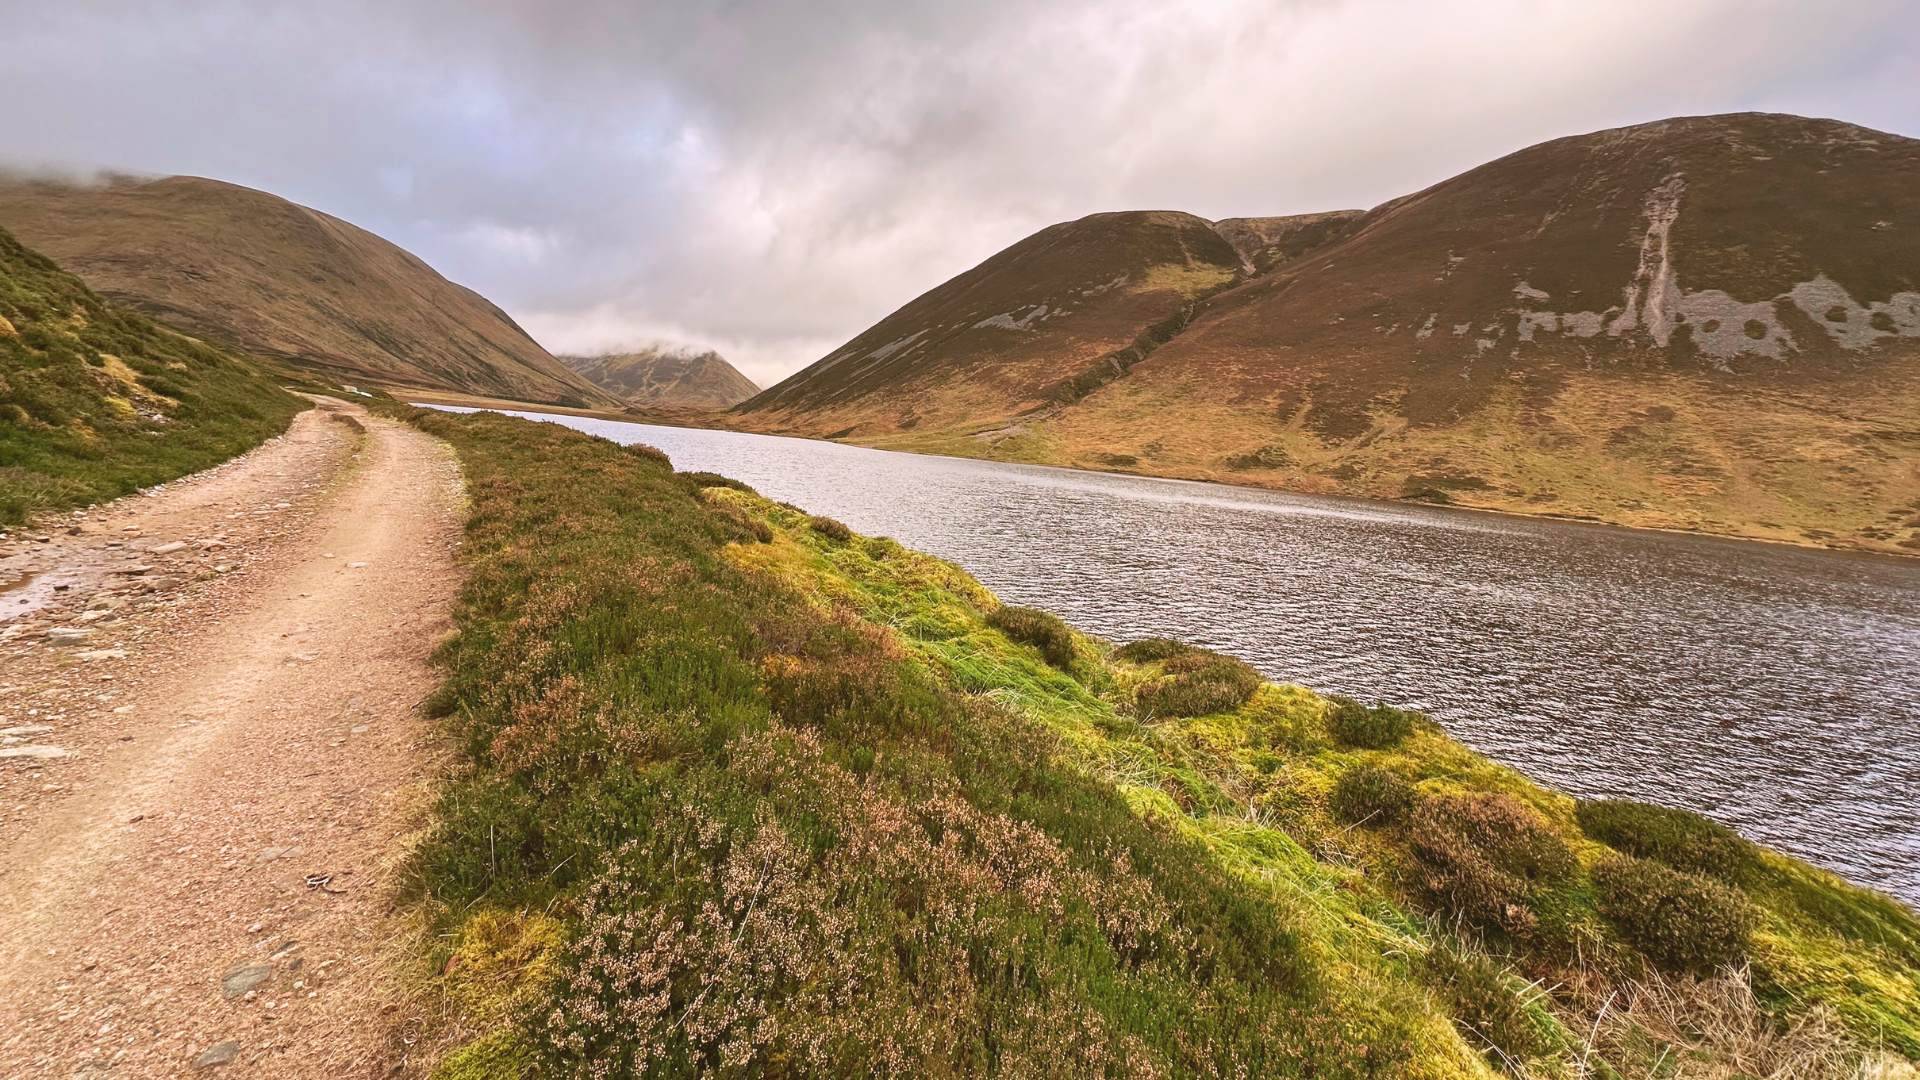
[(769, 179)]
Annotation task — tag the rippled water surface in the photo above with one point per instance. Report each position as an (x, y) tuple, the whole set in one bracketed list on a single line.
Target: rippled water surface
[(1775, 689)]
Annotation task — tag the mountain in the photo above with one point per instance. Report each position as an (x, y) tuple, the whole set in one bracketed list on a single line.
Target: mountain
[(96, 401), (258, 273), (1704, 323), (657, 376), (1069, 306), (1266, 242)]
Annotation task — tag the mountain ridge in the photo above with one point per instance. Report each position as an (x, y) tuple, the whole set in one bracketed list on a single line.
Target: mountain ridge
[(255, 272), (1699, 323), (659, 376)]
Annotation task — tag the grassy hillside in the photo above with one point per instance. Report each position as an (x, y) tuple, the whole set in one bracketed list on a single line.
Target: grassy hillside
[(1705, 323), (747, 793), (673, 378), (96, 402), (271, 278)]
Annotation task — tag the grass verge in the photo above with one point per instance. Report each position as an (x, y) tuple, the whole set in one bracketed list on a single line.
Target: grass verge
[(96, 402)]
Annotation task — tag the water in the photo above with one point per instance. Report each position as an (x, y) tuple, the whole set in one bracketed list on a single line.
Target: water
[(1772, 688)]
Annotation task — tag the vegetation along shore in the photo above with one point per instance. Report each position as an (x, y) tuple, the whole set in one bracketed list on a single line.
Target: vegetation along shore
[(743, 791)]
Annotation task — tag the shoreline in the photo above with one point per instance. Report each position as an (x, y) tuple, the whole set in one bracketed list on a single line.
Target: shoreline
[(689, 421)]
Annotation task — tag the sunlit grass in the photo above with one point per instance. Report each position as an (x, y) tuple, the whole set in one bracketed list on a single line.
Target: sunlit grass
[(96, 402)]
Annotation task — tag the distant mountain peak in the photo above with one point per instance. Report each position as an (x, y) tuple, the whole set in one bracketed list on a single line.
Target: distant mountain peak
[(659, 374)]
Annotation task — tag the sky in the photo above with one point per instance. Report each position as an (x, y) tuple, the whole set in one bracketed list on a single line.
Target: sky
[(768, 179)]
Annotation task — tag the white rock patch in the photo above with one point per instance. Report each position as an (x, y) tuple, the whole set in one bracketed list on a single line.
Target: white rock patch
[(1720, 325), (1007, 321)]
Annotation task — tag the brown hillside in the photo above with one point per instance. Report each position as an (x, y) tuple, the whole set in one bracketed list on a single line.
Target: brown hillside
[(1768, 245), (1042, 320), (666, 377), (1709, 322), (259, 273)]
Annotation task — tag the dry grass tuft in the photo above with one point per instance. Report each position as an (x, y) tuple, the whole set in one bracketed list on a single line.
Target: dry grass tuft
[(1716, 1029)]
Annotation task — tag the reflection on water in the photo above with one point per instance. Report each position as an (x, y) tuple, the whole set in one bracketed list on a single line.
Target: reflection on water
[(1775, 689)]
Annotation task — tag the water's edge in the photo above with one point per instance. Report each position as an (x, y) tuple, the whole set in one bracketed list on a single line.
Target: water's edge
[(1752, 682)]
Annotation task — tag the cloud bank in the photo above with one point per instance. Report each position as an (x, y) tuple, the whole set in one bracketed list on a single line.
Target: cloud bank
[(768, 179)]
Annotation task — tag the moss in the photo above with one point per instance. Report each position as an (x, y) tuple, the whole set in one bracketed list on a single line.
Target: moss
[(499, 972), (501, 1054)]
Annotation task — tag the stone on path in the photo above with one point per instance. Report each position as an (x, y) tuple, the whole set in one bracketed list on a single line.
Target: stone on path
[(242, 979), (217, 1055), (34, 751)]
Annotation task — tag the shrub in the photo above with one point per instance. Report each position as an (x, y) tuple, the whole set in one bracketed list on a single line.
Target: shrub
[(830, 529), (1040, 629), (650, 453), (1198, 682), (697, 480), (1679, 838), (1372, 795), (1267, 457), (1487, 1005), (1483, 858), (1680, 921), (742, 526), (1374, 727), (1151, 650), (442, 703)]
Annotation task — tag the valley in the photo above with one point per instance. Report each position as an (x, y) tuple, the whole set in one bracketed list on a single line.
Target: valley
[(344, 736), (1706, 323)]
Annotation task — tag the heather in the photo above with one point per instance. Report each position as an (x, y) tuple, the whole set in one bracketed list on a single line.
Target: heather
[(794, 801)]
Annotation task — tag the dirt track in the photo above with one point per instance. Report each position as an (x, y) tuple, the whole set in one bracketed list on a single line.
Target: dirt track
[(210, 754)]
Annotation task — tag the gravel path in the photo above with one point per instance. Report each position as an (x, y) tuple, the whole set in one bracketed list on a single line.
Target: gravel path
[(210, 754)]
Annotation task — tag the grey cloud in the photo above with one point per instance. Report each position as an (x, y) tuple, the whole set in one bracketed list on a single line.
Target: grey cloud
[(769, 178)]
